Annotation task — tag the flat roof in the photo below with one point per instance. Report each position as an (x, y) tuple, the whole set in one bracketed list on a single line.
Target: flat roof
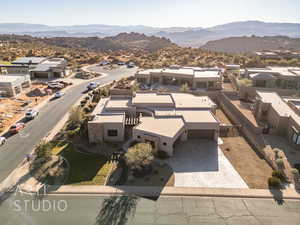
[(207, 74), (167, 127), (183, 100), (184, 71), (151, 98), (190, 116), (99, 107), (148, 71), (6, 79), (109, 118), (118, 103), (197, 116), (26, 60)]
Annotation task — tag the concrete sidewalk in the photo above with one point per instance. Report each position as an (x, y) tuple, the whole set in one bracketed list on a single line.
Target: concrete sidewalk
[(167, 191)]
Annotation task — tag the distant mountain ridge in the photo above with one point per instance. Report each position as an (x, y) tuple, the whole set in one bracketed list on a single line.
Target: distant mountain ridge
[(122, 41), (184, 36), (253, 43)]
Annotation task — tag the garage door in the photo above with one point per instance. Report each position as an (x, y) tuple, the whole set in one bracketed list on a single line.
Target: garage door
[(198, 134), (40, 75)]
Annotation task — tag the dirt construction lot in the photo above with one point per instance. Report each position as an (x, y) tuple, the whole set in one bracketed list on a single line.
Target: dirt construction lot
[(12, 109), (254, 170)]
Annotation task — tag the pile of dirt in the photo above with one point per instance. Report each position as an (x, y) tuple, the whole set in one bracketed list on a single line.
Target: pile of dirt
[(37, 92)]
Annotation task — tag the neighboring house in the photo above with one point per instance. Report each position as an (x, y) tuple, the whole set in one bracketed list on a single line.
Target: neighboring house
[(274, 77), (50, 68), (278, 54), (37, 67), (282, 115), (195, 77), (14, 69), (12, 85), (160, 119)]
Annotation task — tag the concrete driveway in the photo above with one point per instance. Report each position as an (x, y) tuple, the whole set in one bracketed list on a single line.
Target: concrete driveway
[(201, 163)]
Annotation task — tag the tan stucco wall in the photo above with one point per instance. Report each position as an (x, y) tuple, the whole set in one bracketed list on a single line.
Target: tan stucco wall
[(97, 132), (167, 147)]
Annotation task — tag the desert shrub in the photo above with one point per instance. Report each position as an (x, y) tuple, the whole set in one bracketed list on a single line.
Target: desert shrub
[(274, 182), (76, 116), (245, 82), (43, 150), (72, 133), (279, 162), (184, 88), (83, 102), (104, 92), (278, 174), (295, 171), (162, 154)]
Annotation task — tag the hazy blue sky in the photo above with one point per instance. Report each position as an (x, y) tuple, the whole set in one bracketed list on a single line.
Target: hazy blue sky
[(158, 13)]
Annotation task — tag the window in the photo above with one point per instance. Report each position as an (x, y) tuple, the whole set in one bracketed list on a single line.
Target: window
[(112, 133), (164, 143), (295, 136), (264, 113), (138, 136)]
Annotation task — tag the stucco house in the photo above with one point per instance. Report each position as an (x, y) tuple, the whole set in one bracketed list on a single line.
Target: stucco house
[(12, 85), (160, 119), (275, 77), (281, 114), (195, 77), (37, 67)]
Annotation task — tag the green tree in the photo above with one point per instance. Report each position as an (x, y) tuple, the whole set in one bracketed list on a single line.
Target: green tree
[(139, 156), (76, 116)]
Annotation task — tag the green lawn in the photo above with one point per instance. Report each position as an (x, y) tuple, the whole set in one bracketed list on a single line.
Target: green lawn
[(84, 169), (5, 63)]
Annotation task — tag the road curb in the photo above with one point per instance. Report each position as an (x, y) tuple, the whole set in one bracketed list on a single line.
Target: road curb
[(175, 192)]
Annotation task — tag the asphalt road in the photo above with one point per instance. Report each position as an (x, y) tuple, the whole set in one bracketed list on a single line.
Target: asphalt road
[(17, 146), (123, 210)]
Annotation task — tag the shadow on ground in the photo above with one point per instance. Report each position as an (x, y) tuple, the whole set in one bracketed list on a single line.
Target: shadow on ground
[(117, 210), (277, 196), (148, 186)]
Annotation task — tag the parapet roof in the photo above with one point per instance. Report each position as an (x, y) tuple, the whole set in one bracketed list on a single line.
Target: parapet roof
[(151, 98), (121, 103), (110, 118), (183, 100), (167, 127)]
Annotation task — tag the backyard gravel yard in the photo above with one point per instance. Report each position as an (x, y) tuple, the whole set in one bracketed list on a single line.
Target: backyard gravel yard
[(254, 170)]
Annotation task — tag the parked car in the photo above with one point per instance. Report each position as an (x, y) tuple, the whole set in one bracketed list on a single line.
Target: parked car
[(92, 86), (121, 63), (59, 94), (2, 141), (55, 86), (31, 114), (104, 63), (16, 128), (130, 65)]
